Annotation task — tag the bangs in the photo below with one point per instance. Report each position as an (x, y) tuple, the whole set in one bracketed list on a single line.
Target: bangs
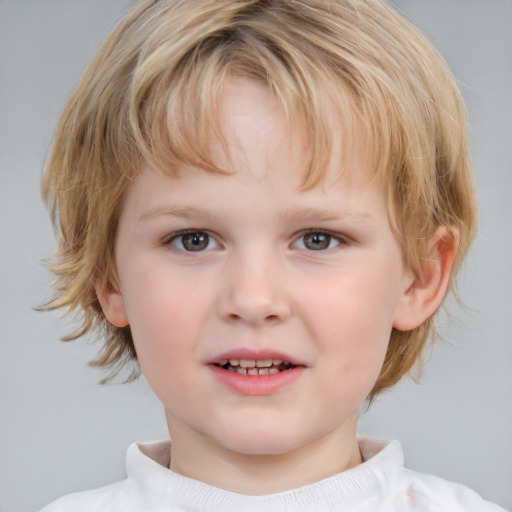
[(175, 107)]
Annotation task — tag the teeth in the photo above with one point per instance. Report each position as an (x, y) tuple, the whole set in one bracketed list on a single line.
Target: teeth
[(256, 366), (264, 363), (260, 363), (253, 371)]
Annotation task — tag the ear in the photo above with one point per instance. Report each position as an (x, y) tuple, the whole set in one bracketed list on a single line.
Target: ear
[(424, 292), (111, 301)]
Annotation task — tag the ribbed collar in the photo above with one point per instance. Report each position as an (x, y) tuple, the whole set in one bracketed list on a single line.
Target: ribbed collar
[(147, 467)]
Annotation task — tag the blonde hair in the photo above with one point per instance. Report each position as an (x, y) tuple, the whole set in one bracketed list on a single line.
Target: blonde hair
[(151, 96)]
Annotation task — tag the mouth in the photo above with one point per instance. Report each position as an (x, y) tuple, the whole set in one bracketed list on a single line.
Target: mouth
[(255, 367), (250, 372)]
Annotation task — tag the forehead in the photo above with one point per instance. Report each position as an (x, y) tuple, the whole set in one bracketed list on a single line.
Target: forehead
[(250, 129), (263, 160)]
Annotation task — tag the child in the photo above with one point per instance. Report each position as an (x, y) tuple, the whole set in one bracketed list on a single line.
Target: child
[(262, 205)]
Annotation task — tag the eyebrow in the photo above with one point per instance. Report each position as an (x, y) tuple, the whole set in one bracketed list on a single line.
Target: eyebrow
[(298, 214), (324, 215), (180, 212)]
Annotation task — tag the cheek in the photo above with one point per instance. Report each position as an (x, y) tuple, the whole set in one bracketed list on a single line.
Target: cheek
[(356, 308), (165, 314), (351, 319)]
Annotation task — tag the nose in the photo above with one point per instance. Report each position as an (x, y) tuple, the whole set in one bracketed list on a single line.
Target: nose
[(254, 292)]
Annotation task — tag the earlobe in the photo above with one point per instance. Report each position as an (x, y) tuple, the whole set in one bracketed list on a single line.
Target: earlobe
[(111, 301), (424, 292)]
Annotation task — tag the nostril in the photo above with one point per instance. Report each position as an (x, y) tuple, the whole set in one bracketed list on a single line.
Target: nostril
[(252, 307), (271, 319)]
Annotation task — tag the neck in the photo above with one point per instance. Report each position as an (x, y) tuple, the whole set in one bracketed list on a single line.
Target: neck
[(195, 456)]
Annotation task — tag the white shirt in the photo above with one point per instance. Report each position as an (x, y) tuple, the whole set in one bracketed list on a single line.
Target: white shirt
[(380, 484)]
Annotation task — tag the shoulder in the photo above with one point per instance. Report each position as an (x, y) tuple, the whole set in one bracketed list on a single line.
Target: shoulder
[(403, 490), (118, 497), (146, 466), (420, 491)]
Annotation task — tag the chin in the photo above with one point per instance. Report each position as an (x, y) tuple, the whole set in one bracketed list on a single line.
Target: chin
[(263, 448), (263, 441)]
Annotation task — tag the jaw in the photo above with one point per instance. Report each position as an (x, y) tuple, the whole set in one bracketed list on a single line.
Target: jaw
[(243, 465)]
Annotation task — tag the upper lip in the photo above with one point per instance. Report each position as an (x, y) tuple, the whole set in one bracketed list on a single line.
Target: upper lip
[(254, 354)]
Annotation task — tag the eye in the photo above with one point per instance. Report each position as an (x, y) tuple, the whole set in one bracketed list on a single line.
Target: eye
[(193, 241), (317, 241)]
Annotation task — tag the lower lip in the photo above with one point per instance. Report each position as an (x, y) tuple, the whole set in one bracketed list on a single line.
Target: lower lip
[(256, 385)]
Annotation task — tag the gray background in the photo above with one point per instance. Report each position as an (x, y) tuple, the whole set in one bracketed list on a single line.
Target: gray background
[(61, 432)]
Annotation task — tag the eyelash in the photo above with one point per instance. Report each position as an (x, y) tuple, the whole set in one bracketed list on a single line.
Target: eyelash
[(340, 240), (169, 241), (180, 234)]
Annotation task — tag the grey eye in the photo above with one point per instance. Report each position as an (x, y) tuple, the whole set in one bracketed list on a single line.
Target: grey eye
[(317, 241), (194, 241)]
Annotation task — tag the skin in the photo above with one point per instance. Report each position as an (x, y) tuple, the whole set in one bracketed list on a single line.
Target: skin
[(256, 285)]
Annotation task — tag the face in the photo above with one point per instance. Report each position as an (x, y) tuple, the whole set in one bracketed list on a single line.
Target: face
[(260, 313)]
